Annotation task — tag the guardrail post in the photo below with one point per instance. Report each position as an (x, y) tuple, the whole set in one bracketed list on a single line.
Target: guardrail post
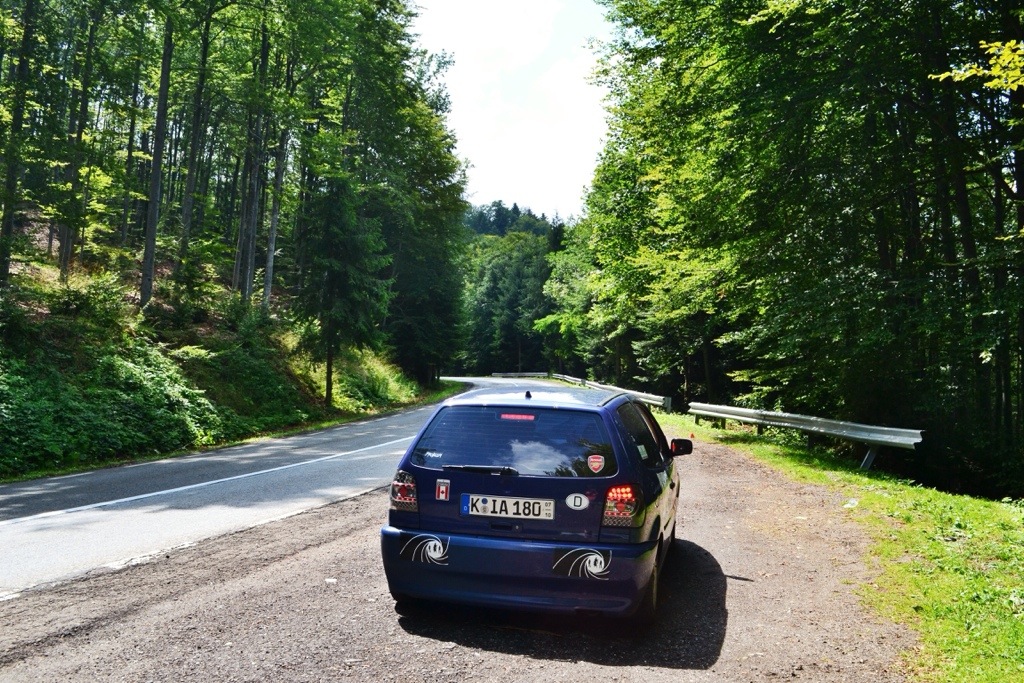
[(869, 458)]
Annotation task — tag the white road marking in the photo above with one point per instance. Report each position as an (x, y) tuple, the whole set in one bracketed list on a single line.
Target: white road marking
[(203, 484)]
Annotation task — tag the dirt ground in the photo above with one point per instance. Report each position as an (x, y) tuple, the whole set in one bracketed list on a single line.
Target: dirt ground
[(760, 586)]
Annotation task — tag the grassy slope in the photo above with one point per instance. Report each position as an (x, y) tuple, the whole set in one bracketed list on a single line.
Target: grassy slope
[(86, 381), (949, 566)]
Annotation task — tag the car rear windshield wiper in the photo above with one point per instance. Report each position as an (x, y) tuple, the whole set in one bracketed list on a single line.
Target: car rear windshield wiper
[(485, 469)]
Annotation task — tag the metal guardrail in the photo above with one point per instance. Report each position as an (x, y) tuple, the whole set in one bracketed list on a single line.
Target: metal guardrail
[(663, 402), (872, 437)]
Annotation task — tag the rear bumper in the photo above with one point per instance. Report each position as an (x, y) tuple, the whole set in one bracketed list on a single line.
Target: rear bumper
[(517, 574)]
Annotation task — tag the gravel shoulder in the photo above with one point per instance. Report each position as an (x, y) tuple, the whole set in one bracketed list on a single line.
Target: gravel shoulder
[(760, 585)]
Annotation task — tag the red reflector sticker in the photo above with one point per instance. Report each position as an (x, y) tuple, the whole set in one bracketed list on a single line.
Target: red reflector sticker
[(595, 463), (517, 416)]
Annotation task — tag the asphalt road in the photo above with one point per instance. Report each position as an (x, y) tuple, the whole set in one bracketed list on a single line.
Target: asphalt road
[(55, 529), (762, 584)]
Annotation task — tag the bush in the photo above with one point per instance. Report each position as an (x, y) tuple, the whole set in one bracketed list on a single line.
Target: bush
[(97, 305), (132, 401), (86, 383), (14, 324), (249, 385), (191, 293), (367, 382)]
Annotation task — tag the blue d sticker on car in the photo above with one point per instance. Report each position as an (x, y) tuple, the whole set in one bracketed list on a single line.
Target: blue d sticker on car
[(425, 548), (583, 563)]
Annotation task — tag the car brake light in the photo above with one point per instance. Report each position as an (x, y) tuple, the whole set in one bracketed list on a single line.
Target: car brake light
[(622, 506), (520, 417), (403, 492)]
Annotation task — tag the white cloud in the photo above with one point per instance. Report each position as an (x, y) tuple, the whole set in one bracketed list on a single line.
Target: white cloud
[(522, 108)]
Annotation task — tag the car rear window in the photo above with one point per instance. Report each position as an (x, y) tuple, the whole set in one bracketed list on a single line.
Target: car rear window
[(535, 442)]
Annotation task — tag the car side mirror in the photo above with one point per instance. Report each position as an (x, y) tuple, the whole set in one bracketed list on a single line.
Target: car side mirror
[(682, 447)]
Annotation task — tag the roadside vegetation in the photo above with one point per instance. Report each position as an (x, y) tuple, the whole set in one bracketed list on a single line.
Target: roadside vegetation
[(218, 219), (814, 207), (86, 380), (949, 566), (801, 205), (227, 219)]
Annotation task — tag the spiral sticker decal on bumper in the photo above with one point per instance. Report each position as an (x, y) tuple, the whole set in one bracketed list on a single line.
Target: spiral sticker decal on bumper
[(425, 548), (582, 563)]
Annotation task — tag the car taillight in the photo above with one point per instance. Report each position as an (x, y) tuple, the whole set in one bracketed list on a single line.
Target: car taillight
[(622, 506), (403, 492)]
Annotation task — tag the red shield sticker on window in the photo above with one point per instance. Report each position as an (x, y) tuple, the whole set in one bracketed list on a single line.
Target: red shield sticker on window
[(443, 490), (595, 463)]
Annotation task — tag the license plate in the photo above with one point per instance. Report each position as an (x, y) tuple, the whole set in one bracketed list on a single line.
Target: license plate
[(516, 508)]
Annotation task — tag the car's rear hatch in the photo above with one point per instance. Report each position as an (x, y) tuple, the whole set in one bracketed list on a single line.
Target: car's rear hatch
[(531, 473)]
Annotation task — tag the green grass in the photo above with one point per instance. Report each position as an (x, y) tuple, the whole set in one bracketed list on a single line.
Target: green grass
[(950, 567), (87, 381)]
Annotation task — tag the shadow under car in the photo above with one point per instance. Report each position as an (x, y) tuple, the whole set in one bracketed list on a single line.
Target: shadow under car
[(688, 634)]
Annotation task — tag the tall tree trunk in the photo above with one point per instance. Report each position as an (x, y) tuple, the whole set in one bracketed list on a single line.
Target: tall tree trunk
[(127, 200), (255, 149), (153, 214), (241, 257), (144, 170), (275, 216), (299, 238), (195, 136), (12, 155), (171, 167), (229, 209), (329, 392), (949, 149), (75, 217), (208, 144), (188, 201)]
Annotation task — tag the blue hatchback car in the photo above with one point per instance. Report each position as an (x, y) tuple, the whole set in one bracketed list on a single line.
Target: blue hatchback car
[(553, 500)]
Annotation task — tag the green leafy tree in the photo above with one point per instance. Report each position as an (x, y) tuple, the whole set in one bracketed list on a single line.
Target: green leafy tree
[(789, 197), (144, 137), (15, 132), (505, 296), (345, 296)]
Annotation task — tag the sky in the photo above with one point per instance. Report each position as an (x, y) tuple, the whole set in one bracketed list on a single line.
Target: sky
[(526, 117)]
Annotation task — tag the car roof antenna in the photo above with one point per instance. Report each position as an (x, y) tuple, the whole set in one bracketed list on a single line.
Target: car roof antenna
[(529, 395)]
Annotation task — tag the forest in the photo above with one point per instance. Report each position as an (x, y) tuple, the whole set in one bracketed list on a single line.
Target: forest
[(224, 216), (815, 206), (197, 193)]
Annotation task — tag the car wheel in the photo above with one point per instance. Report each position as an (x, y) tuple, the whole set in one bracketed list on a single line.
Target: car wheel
[(648, 610)]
